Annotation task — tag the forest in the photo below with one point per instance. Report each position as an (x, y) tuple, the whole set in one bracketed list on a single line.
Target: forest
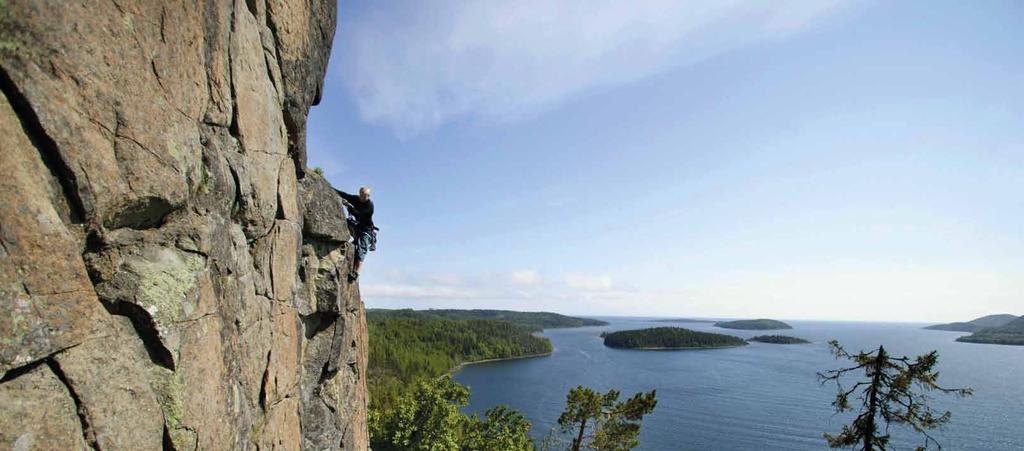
[(753, 324), (669, 338), (403, 350), (778, 339), (531, 321), (414, 404), (1011, 333)]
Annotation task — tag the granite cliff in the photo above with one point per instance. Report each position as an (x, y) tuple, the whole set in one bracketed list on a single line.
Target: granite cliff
[(171, 275)]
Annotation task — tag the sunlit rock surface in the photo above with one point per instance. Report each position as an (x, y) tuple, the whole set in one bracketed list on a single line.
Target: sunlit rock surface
[(170, 273)]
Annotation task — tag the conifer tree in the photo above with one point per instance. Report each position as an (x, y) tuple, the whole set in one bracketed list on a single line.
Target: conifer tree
[(599, 421), (427, 418), (893, 391)]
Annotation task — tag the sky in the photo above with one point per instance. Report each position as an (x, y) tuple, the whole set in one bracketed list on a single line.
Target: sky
[(724, 159)]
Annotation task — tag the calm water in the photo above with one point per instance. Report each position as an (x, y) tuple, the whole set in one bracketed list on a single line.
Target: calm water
[(757, 397)]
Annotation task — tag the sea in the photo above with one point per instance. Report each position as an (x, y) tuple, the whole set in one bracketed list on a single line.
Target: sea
[(760, 396)]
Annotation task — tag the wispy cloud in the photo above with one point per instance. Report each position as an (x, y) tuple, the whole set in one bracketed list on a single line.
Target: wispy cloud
[(524, 288), (417, 65), (588, 282), (852, 291), (526, 277)]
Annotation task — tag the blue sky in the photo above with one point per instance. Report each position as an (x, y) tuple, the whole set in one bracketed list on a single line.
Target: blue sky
[(727, 159)]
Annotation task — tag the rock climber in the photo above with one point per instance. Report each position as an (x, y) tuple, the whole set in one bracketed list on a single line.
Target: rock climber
[(360, 223)]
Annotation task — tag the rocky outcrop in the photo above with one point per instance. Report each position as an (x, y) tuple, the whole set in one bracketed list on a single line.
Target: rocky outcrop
[(171, 276)]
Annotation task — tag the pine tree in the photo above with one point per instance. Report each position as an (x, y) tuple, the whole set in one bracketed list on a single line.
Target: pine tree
[(599, 421), (893, 391), (428, 418)]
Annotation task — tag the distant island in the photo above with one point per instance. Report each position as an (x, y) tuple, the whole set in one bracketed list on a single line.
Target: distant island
[(669, 338), (753, 324), (778, 339), (531, 321), (976, 325), (1011, 333), (683, 320)]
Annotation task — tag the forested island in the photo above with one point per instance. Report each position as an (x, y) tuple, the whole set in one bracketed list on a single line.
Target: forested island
[(669, 338), (778, 339), (1011, 333), (753, 324), (977, 324)]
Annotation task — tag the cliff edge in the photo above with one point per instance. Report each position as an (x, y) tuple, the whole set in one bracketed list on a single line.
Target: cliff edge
[(171, 276)]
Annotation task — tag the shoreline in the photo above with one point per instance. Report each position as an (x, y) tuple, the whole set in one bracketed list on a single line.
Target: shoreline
[(679, 348), (530, 356)]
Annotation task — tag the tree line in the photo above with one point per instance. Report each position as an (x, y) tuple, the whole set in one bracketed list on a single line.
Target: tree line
[(668, 338), (416, 406), (405, 350)]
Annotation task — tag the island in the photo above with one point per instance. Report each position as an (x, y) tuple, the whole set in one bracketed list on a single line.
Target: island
[(1011, 333), (666, 338), (778, 339), (753, 324), (977, 324)]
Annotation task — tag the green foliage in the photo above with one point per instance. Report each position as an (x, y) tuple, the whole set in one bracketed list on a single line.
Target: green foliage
[(318, 171), (668, 338), (753, 324), (1013, 327), (995, 339), (427, 418), (531, 321), (416, 406), (778, 339), (1011, 333), (599, 421), (976, 324), (404, 350), (893, 391), (500, 429)]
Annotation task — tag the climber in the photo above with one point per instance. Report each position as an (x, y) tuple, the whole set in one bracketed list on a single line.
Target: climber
[(360, 222)]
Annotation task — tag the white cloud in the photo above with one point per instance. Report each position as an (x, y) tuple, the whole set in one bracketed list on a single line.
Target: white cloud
[(417, 65), (862, 291), (587, 282), (857, 292), (446, 278), (522, 288), (414, 291), (526, 277)]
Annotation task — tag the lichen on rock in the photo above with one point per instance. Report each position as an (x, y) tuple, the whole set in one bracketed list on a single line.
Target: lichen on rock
[(171, 273)]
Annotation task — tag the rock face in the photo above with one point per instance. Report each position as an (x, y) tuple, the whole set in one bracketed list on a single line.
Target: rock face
[(171, 277)]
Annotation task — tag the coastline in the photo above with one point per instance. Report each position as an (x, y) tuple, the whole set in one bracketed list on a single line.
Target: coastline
[(530, 356), (678, 348)]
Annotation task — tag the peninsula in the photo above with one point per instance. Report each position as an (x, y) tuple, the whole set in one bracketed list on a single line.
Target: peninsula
[(1007, 334), (977, 324)]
